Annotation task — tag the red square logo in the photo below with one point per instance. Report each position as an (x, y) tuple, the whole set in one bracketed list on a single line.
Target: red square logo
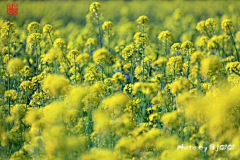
[(12, 9)]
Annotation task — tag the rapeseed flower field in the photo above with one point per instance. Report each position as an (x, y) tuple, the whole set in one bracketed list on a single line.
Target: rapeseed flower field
[(139, 80)]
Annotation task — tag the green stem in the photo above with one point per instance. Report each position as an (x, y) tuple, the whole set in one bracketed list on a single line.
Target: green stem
[(8, 59), (75, 70), (132, 74), (198, 78), (101, 73), (188, 64), (209, 36), (89, 49), (36, 60), (39, 47), (9, 106), (50, 38), (99, 30), (142, 63), (109, 39), (234, 44)]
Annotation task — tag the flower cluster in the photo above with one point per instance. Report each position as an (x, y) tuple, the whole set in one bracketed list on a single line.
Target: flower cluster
[(136, 90)]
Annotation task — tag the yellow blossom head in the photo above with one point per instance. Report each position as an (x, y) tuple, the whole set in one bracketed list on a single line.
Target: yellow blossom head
[(165, 36), (227, 26), (56, 84), (15, 65), (59, 43), (107, 26), (95, 7), (47, 29), (33, 27), (102, 56), (143, 20), (211, 64)]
